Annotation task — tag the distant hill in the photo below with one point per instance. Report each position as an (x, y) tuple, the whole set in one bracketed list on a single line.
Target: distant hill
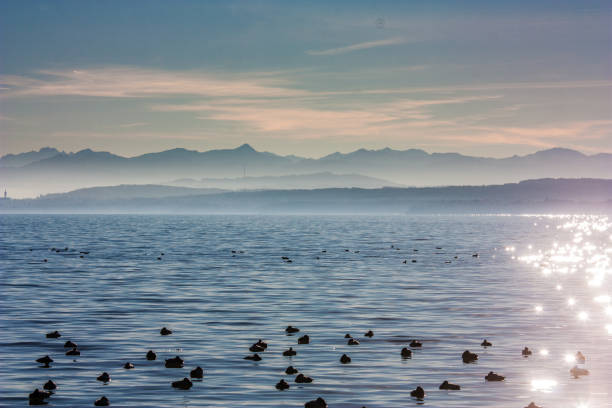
[(86, 168), (532, 196), (23, 159)]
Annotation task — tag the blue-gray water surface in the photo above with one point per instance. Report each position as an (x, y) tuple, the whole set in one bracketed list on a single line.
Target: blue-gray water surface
[(221, 285)]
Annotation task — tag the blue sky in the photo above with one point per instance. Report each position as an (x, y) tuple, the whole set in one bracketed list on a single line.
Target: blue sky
[(482, 78)]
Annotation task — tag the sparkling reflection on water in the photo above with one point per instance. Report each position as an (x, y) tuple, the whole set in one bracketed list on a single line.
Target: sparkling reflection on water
[(539, 281)]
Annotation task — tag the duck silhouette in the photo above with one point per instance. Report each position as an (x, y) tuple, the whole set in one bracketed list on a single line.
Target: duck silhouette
[(304, 339), (318, 403), (46, 360), (256, 348), (102, 402), (128, 366), (183, 384), (151, 355), (175, 362), (291, 329), (416, 343), (345, 359), (577, 371), (262, 344), (352, 342), (494, 377), (448, 386), (165, 332), (406, 352), (348, 336), (38, 397), (73, 352), (369, 333), (290, 352), (418, 393), (104, 377), (485, 343), (50, 386), (53, 335), (254, 357), (580, 358), (282, 385), (69, 344), (469, 357), (302, 379), (291, 370), (197, 372), (526, 352)]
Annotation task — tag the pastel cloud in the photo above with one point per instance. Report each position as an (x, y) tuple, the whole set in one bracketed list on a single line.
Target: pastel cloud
[(359, 46)]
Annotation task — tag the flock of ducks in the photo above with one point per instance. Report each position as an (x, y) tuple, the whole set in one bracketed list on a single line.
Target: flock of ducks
[(38, 397)]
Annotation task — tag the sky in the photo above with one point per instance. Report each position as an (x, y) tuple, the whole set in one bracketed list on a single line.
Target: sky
[(311, 78)]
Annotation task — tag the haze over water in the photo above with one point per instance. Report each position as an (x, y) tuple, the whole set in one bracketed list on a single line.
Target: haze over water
[(538, 281)]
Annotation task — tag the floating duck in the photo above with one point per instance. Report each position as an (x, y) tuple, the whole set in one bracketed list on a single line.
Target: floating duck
[(448, 386), (282, 385), (418, 393), (302, 379), (254, 357), (347, 336), (46, 360), (165, 332), (415, 343), (197, 372), (54, 334), (50, 386), (345, 359), (69, 344), (486, 343), (352, 342), (369, 333), (304, 339), (73, 352), (262, 344), (526, 352), (128, 366), (291, 329), (494, 377), (577, 372), (406, 352), (183, 384), (151, 355), (469, 357), (291, 370), (580, 358), (290, 352), (38, 397), (318, 403), (175, 362), (256, 348), (104, 377), (102, 402)]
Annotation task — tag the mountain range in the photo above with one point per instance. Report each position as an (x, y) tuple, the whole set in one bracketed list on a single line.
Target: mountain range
[(52, 171)]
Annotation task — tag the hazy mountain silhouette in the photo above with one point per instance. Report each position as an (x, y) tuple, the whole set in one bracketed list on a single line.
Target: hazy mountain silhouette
[(86, 168), (22, 159)]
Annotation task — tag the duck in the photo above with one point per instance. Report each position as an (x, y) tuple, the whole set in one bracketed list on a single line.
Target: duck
[(486, 343), (533, 405), (415, 343), (46, 360), (102, 402), (50, 386), (494, 377), (291, 370), (282, 385), (38, 397), (448, 386), (304, 339), (69, 344), (53, 335), (369, 333), (256, 348), (418, 393), (183, 384), (291, 329), (577, 372), (348, 336), (406, 352), (262, 344), (197, 372), (302, 379), (254, 357), (345, 359), (318, 403), (290, 352), (526, 352), (352, 342), (580, 358), (165, 332), (151, 355), (175, 362), (104, 377), (128, 366), (469, 357), (73, 352)]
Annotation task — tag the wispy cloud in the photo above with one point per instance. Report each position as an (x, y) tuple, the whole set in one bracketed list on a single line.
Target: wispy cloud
[(131, 125), (358, 46)]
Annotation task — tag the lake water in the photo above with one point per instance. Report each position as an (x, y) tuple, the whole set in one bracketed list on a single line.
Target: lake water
[(538, 281)]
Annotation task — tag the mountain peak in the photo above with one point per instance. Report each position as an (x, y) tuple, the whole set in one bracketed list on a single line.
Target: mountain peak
[(245, 148)]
